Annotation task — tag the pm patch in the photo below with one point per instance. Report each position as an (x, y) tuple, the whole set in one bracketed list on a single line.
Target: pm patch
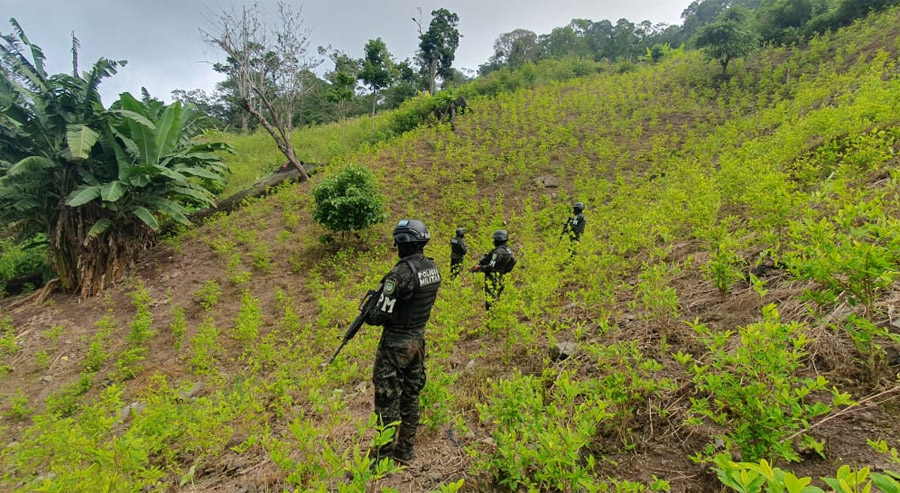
[(389, 286)]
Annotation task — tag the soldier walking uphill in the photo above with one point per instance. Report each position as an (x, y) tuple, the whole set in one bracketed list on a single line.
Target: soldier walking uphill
[(408, 293), (495, 265), (458, 250), (574, 226)]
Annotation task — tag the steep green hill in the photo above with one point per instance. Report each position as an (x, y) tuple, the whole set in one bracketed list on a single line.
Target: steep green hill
[(734, 292)]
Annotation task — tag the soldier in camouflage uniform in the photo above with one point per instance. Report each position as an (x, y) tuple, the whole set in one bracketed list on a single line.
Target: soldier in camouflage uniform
[(575, 226), (458, 250), (404, 306), (495, 264)]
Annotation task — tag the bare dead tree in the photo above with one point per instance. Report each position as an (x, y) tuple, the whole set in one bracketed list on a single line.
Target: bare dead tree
[(268, 66)]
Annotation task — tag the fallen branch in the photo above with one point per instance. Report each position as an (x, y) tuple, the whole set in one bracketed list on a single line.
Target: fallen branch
[(281, 175), (286, 173), (846, 410), (48, 288), (35, 298), (17, 285)]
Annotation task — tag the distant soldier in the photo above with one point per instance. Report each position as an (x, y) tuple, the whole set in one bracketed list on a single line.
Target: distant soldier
[(575, 226), (495, 264), (461, 105), (458, 250), (407, 295)]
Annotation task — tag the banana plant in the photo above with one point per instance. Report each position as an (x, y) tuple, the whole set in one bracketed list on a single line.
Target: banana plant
[(159, 169), (96, 181)]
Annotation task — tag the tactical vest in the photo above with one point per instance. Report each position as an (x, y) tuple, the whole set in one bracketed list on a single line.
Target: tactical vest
[(415, 311), (457, 249), (577, 225), (505, 259)]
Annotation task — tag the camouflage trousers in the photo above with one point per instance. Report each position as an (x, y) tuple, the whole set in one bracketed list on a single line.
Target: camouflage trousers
[(398, 377), (493, 288), (456, 266)]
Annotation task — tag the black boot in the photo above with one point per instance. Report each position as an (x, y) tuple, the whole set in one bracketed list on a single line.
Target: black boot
[(403, 445)]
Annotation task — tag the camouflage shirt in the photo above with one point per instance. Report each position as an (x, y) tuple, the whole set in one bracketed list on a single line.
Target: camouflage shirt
[(458, 248), (575, 226), (496, 261)]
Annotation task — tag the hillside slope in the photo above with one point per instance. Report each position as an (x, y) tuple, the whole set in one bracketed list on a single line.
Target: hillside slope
[(202, 372)]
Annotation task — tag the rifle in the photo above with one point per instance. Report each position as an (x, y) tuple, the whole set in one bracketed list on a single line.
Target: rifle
[(366, 305), (565, 228)]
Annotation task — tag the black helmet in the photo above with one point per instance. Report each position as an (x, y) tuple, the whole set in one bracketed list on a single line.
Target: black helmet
[(411, 231), (460, 232), (500, 237), (579, 206)]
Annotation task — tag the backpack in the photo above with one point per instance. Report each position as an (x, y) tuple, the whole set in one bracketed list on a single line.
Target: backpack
[(511, 261)]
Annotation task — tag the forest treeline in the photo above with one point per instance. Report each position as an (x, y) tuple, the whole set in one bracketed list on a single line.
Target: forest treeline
[(762, 23)]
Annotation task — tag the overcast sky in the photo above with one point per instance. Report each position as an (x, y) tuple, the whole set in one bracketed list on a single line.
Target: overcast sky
[(161, 40)]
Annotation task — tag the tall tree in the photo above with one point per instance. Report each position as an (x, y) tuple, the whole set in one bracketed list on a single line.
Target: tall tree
[(599, 39), (251, 67), (515, 48), (781, 21), (376, 70), (406, 83), (342, 80), (727, 38), (209, 105), (270, 68), (437, 45), (849, 10), (625, 41), (560, 43)]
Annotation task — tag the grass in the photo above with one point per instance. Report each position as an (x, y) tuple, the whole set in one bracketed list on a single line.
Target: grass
[(320, 145)]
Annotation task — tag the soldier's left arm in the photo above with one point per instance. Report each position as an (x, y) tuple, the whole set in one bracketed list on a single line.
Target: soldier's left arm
[(491, 264), (394, 288), (399, 286)]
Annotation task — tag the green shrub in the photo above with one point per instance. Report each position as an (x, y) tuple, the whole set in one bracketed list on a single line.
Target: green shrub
[(411, 114), (754, 389), (8, 342), (64, 402), (542, 435), (19, 406), (348, 201), (205, 346), (208, 294), (97, 354), (752, 477), (17, 259), (178, 326), (249, 321), (129, 363), (847, 259)]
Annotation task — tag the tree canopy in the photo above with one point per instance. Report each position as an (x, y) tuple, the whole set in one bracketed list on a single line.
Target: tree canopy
[(269, 66), (377, 70), (727, 38), (438, 45)]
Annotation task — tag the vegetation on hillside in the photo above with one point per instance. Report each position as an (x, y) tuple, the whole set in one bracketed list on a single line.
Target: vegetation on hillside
[(731, 302)]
